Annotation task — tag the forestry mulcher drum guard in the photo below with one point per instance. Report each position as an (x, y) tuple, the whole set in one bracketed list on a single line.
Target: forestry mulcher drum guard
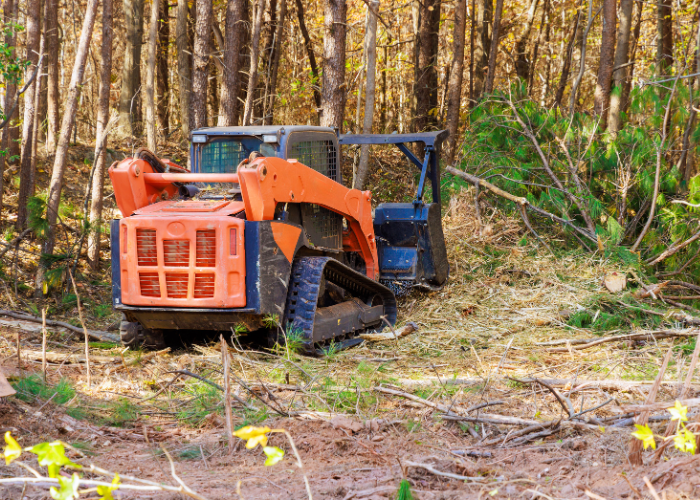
[(262, 234)]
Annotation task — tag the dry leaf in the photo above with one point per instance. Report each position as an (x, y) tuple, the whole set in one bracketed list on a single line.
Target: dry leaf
[(615, 282)]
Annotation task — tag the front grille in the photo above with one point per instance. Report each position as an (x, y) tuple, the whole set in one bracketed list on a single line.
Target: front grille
[(323, 227), (176, 285), (150, 286), (203, 286), (176, 253), (146, 249), (206, 248)]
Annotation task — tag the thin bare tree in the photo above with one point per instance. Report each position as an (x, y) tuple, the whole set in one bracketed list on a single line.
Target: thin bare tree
[(129, 100), (150, 91), (493, 55), (69, 113), (200, 63), (333, 91), (454, 94), (184, 66), (162, 67), (308, 45), (521, 50), (52, 65), (371, 70), (254, 59), (620, 69), (271, 83), (98, 179), (425, 92), (607, 62), (231, 84)]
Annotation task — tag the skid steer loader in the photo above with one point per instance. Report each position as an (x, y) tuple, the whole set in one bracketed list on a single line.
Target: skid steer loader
[(262, 235)]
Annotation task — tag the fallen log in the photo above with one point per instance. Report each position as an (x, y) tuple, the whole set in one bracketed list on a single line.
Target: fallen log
[(95, 334), (660, 406), (664, 334)]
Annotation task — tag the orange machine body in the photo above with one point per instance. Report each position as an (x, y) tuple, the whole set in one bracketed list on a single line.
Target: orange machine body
[(192, 254)]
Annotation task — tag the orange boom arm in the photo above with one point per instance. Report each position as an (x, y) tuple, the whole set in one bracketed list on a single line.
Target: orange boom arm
[(265, 182)]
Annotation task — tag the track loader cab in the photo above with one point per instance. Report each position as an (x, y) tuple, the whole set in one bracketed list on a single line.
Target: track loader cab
[(262, 235)]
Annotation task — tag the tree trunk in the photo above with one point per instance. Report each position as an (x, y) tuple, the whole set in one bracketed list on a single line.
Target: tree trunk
[(150, 90), (11, 136), (454, 96), (664, 37), (308, 45), (269, 29), (254, 59), (129, 99), (52, 65), (621, 58), (634, 42), (275, 63), (98, 179), (582, 62), (200, 73), (493, 54), (231, 86), (566, 66), (333, 92), (163, 94), (36, 127), (25, 173), (482, 47), (522, 65), (426, 88), (371, 59), (184, 65), (607, 62), (69, 114)]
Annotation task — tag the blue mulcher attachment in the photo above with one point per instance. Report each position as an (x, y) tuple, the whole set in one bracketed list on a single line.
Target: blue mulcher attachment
[(410, 240)]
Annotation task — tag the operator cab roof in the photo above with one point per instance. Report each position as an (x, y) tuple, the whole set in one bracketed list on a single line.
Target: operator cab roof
[(258, 130)]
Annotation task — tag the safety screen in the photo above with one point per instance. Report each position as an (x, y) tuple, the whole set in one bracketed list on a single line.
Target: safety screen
[(319, 155), (221, 157)]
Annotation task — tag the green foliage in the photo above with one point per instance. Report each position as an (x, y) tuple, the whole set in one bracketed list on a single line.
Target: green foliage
[(36, 212), (404, 492), (33, 386)]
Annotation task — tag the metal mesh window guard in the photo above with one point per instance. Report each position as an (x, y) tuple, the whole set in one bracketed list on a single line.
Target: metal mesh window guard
[(319, 155)]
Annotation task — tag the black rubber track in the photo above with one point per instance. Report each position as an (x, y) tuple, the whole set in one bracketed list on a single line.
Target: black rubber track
[(305, 282)]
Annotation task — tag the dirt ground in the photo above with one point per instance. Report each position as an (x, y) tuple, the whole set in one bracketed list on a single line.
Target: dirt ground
[(366, 418)]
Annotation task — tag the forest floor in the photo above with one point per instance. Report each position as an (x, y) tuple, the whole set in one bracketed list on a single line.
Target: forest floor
[(453, 407)]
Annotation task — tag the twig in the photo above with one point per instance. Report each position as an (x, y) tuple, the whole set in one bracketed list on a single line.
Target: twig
[(183, 486), (652, 336), (213, 384), (85, 330), (98, 335), (227, 394), (432, 470), (651, 489), (43, 342), (299, 463)]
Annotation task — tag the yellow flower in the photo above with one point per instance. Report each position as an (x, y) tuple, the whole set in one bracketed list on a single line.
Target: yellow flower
[(13, 450), (253, 435), (645, 434), (679, 412)]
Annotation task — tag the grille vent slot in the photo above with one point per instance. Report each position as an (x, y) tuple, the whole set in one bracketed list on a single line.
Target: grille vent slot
[(204, 286), (150, 286), (206, 248), (146, 248), (176, 253), (176, 285)]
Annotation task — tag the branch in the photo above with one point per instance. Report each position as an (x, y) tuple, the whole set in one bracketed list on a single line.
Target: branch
[(95, 334)]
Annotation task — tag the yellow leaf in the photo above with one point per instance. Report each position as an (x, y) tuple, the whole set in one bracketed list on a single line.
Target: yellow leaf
[(645, 434), (13, 450), (274, 454), (679, 412), (253, 435), (685, 441)]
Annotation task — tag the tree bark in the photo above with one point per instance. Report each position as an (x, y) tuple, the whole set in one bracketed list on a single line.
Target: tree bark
[(200, 73), (275, 64), (184, 66), (371, 59), (664, 37), (254, 60), (582, 62), (163, 93), (52, 65), (493, 54), (566, 66), (129, 99), (11, 137), (26, 176), (98, 179), (333, 92), (231, 86), (426, 87), (621, 59), (69, 114), (150, 90), (454, 95), (522, 65), (607, 61), (482, 47), (308, 45), (269, 30)]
